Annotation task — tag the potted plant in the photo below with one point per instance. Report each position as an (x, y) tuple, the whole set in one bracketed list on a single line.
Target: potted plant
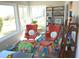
[(34, 22)]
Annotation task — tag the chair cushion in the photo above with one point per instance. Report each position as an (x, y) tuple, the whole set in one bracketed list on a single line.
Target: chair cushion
[(45, 43), (31, 32), (53, 34), (30, 41)]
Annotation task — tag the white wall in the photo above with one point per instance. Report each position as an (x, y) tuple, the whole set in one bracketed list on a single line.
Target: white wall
[(76, 8), (48, 3), (14, 2)]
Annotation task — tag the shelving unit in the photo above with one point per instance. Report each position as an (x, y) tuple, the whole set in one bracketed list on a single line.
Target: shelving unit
[(66, 50), (55, 15)]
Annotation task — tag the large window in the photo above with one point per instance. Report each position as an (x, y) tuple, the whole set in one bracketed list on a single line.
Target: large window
[(7, 20), (38, 13), (23, 16)]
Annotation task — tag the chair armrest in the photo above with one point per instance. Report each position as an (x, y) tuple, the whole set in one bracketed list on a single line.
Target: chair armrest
[(26, 35)]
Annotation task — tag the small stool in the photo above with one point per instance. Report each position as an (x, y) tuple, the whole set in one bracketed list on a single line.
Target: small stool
[(44, 50), (45, 47)]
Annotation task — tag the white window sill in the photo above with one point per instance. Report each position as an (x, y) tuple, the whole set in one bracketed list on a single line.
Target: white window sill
[(8, 36)]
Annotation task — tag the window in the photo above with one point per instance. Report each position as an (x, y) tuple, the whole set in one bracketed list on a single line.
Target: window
[(23, 16), (7, 20), (38, 13)]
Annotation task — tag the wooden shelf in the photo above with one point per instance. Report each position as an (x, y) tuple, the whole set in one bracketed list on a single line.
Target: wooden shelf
[(59, 10), (55, 11), (58, 15)]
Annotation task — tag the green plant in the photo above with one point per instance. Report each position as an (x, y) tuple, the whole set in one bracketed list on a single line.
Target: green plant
[(1, 23), (34, 22)]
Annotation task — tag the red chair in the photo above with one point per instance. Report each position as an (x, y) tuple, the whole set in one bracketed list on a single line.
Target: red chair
[(53, 29), (30, 35), (50, 38), (31, 32)]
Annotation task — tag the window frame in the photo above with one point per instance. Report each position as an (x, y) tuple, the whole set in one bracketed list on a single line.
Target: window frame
[(19, 15), (16, 22), (28, 10)]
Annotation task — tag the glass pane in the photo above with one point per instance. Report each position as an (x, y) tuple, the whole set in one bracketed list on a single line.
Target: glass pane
[(23, 16), (38, 13), (7, 20)]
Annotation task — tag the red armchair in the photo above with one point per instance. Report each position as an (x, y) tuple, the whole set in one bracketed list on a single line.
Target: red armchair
[(53, 32), (31, 32), (51, 35)]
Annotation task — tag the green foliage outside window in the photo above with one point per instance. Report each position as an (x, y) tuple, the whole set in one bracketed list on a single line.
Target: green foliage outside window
[(1, 23)]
